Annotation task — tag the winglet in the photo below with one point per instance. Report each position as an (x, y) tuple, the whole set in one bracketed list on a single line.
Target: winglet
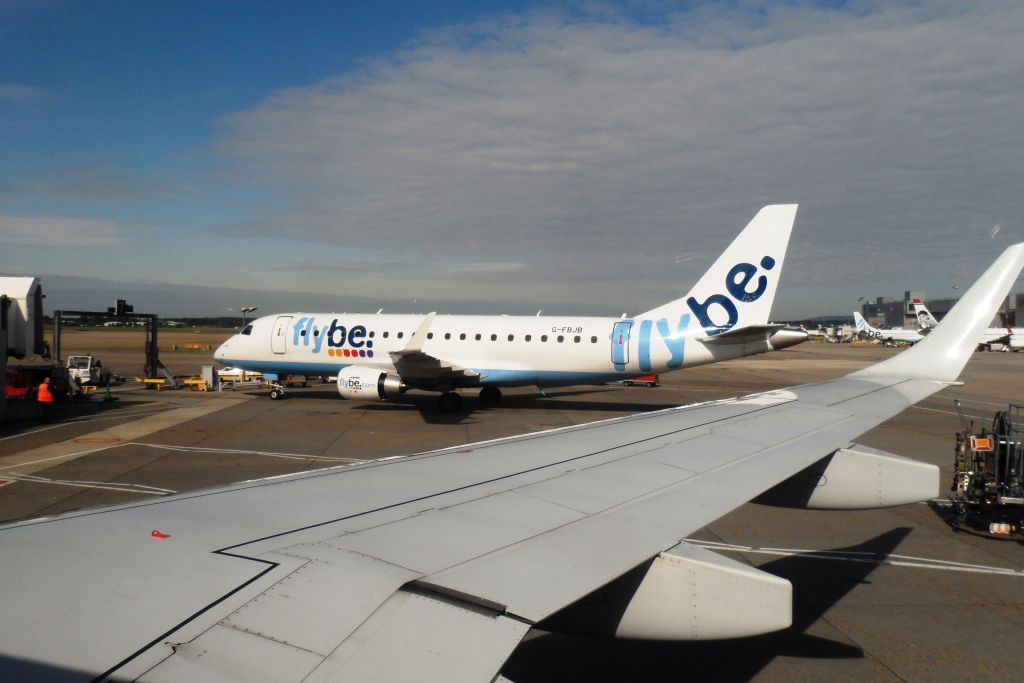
[(419, 337), (944, 352)]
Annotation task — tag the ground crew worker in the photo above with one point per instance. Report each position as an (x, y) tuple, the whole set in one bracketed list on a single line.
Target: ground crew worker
[(45, 398)]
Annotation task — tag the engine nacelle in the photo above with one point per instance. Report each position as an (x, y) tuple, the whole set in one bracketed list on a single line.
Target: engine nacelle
[(368, 384), (685, 593), (1016, 341), (856, 478)]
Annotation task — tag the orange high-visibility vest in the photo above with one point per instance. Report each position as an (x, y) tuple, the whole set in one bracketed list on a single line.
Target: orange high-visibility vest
[(44, 395)]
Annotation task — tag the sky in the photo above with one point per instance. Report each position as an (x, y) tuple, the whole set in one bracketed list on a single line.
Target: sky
[(484, 156)]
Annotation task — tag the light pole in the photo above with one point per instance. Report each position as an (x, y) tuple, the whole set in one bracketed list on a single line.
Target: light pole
[(246, 310)]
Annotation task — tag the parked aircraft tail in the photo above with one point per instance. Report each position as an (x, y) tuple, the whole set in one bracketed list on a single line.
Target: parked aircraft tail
[(925, 319), (862, 324), (738, 290)]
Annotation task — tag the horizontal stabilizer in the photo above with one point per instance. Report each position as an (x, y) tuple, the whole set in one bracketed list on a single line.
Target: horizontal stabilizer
[(856, 478), (777, 336), (740, 335)]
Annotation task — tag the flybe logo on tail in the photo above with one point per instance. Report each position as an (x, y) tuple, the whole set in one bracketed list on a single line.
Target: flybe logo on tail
[(741, 285), (737, 283)]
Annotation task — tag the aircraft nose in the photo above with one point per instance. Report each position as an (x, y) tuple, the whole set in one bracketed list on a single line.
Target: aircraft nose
[(787, 336), (218, 355)]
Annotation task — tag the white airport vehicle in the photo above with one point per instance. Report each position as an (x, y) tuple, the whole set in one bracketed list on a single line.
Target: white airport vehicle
[(233, 374), (1009, 338), (88, 370), (379, 356), (433, 567), (888, 336)]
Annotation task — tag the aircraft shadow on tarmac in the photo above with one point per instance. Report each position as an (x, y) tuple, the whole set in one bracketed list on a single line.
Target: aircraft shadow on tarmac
[(818, 584)]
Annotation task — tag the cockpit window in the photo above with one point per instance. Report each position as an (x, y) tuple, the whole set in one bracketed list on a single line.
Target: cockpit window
[(248, 330)]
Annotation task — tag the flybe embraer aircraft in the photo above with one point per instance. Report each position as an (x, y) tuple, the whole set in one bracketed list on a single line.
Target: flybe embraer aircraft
[(379, 356)]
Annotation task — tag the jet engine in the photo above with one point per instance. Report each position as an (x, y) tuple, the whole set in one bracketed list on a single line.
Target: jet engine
[(368, 384)]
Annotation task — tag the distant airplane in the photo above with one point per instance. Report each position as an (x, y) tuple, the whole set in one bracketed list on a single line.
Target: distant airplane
[(1009, 337), (379, 356), (434, 567), (888, 335)]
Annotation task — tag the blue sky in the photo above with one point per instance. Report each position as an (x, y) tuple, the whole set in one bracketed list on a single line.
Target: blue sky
[(511, 155)]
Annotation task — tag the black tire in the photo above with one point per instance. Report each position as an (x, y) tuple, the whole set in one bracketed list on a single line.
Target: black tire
[(649, 385), (490, 396), (276, 394)]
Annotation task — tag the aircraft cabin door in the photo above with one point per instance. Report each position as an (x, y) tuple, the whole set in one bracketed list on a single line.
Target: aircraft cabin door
[(279, 340), (620, 344)]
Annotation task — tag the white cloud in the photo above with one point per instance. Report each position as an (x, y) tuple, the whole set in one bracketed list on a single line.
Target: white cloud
[(587, 144), (60, 231)]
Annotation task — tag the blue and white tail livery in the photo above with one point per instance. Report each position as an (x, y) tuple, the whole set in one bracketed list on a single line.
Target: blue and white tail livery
[(377, 356)]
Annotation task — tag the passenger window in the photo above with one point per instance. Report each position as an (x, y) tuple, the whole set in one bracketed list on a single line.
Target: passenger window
[(560, 339), (511, 337), (543, 337), (494, 337), (478, 337), (447, 335), (529, 337), (248, 330), (593, 340), (371, 334), (401, 334), (462, 336), (385, 335), (430, 335), (576, 339)]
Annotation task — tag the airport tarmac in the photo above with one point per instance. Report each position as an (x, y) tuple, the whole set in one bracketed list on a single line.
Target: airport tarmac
[(898, 596)]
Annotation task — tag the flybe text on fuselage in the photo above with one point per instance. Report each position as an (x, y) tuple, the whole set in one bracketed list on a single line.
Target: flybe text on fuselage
[(337, 337)]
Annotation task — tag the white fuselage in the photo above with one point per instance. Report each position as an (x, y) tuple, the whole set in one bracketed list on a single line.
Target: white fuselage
[(499, 350)]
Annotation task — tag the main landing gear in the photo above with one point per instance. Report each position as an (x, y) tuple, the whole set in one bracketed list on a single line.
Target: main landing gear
[(276, 392), (490, 396), (449, 402)]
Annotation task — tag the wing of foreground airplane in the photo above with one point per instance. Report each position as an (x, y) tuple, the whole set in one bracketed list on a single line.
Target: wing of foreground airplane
[(432, 567)]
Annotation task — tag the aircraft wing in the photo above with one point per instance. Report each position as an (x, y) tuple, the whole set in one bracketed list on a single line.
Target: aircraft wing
[(422, 369), (432, 567)]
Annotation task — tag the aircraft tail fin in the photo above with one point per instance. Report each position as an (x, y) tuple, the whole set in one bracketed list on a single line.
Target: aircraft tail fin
[(738, 290), (925, 319), (943, 353), (861, 324)]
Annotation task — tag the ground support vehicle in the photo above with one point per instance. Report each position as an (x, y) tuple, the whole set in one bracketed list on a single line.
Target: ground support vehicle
[(987, 491)]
